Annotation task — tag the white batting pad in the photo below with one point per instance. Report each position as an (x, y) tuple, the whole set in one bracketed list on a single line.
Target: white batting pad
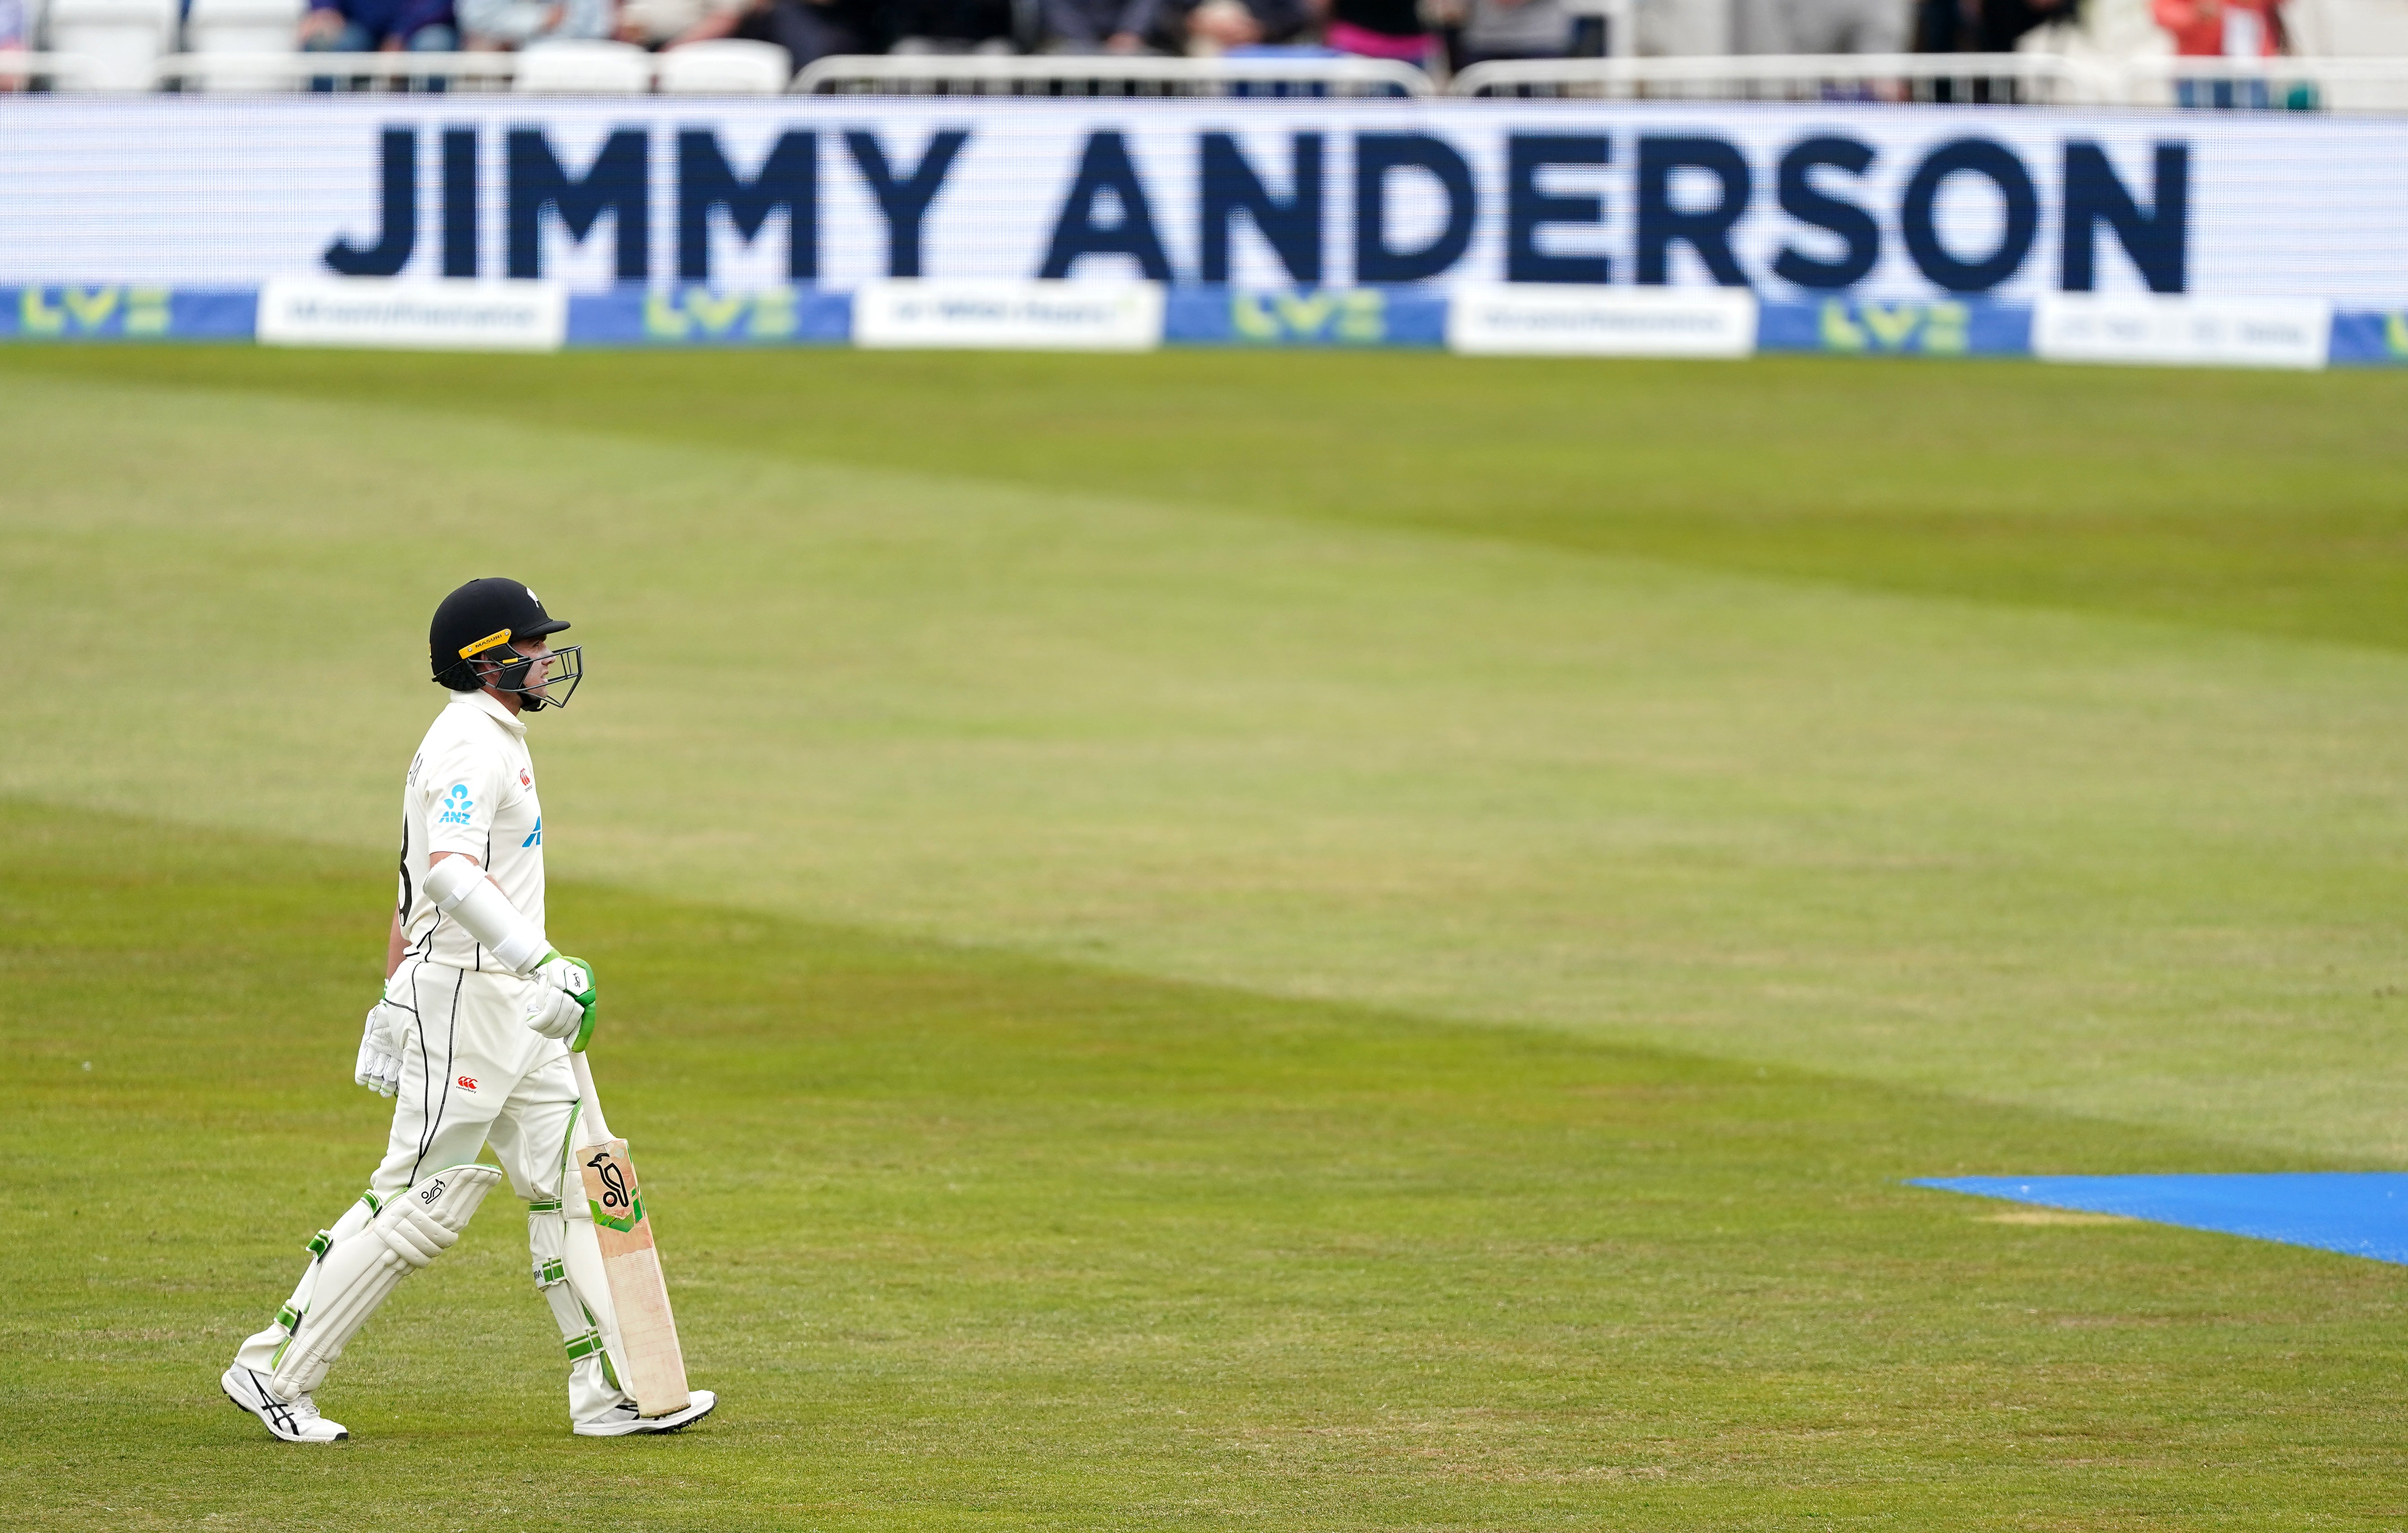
[(360, 1270)]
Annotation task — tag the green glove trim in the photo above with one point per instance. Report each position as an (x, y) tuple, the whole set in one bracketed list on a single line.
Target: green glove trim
[(586, 999), (584, 996)]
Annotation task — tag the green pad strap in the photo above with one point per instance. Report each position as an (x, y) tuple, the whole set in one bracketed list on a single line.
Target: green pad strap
[(289, 1318), (554, 1270), (375, 1204), (550, 1205), (624, 1227), (582, 1346), (321, 1243)]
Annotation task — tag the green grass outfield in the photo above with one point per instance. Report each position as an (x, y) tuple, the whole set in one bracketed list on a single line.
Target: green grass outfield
[(1240, 941)]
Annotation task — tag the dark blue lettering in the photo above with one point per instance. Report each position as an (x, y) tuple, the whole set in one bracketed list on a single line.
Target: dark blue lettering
[(398, 186), (1995, 163), (2157, 240), (1377, 155), (1704, 230), (1292, 228), (615, 183), (1528, 209), (905, 201), (1106, 166), (1802, 200), (789, 178), (459, 202)]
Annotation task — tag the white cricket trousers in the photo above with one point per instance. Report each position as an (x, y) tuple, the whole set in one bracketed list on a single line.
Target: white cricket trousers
[(474, 1074)]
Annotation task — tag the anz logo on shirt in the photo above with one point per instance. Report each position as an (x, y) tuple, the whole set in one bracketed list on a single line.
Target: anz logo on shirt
[(455, 806), (534, 837)]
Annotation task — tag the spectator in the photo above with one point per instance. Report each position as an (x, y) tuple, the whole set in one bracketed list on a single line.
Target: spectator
[(1514, 28), (514, 23), (13, 40), (807, 30), (1215, 27), (1818, 26), (950, 26), (379, 26), (1098, 26), (1377, 29), (658, 24), (2230, 29), (1981, 26)]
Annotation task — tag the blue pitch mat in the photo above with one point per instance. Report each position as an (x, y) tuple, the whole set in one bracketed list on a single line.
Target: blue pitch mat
[(2358, 1214)]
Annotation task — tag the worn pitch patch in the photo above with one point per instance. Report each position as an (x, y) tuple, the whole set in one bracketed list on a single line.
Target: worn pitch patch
[(2053, 1216), (2359, 1214)]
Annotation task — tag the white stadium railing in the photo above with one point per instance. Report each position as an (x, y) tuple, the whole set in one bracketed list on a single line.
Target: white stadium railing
[(739, 69), (1070, 75), (2035, 78), (732, 67), (284, 72), (2296, 82), (58, 71), (2330, 84)]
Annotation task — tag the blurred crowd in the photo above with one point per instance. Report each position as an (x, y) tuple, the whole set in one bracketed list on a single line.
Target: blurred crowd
[(1448, 33), (1414, 31), (1443, 35)]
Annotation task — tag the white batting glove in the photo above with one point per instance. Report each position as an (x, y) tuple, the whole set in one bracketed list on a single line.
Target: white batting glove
[(570, 976), (381, 1040), (560, 1002)]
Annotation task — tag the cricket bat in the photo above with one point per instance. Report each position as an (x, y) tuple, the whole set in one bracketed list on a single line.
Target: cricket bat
[(653, 1366)]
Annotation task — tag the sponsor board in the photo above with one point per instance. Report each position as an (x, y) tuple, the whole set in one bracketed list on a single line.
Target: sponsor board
[(1606, 321), (1329, 317), (109, 312), (1045, 316), (698, 316), (2378, 340), (2183, 332), (1940, 327), (1797, 202), (447, 316), (1338, 317)]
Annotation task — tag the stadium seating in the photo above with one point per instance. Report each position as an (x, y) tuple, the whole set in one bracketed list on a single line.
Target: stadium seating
[(122, 39), (255, 27), (584, 68), (731, 67)]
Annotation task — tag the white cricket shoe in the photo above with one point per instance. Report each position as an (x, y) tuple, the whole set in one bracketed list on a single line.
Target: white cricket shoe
[(621, 1419), (298, 1422)]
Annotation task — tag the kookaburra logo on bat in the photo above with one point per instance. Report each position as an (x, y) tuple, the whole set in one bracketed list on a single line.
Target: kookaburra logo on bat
[(614, 1184)]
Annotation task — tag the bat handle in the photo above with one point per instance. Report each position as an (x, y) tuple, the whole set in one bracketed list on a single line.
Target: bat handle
[(593, 1130)]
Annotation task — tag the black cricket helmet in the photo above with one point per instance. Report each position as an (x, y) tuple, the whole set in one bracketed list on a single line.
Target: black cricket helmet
[(468, 644)]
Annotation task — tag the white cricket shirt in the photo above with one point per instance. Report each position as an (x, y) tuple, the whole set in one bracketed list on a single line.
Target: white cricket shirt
[(470, 789)]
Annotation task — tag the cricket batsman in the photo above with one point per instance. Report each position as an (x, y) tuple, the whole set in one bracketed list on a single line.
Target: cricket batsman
[(471, 1037)]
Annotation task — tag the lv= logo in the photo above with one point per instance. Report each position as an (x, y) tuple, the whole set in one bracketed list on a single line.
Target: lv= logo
[(1932, 327), (93, 312)]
